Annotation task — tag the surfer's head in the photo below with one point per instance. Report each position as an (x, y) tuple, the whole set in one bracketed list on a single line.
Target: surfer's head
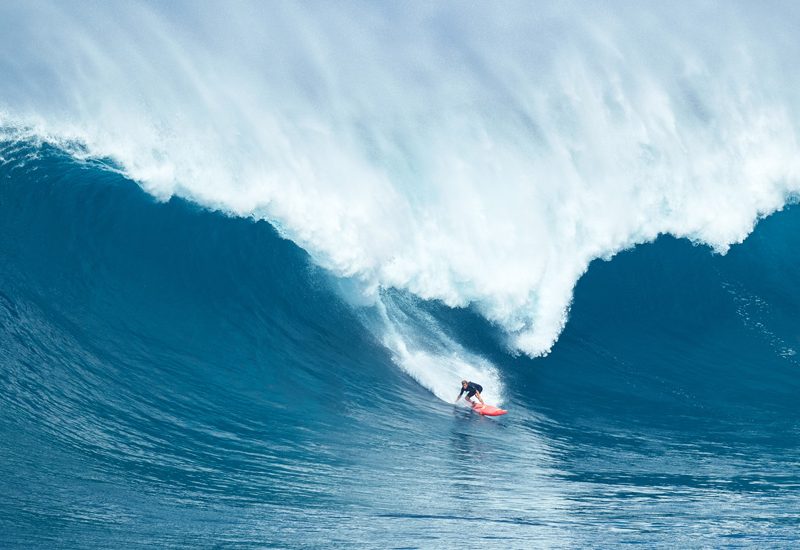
[(464, 383)]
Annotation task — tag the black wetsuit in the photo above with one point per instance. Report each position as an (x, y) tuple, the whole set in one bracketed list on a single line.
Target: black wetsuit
[(471, 388)]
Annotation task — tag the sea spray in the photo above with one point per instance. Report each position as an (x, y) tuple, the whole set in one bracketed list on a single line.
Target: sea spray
[(479, 155)]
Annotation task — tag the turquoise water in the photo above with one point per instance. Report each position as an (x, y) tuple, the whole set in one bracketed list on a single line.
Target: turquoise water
[(249, 249), (170, 376)]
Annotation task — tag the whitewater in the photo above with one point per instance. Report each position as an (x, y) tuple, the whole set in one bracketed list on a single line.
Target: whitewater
[(477, 155), (224, 226)]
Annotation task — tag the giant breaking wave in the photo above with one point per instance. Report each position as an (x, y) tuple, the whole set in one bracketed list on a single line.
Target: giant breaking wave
[(463, 153)]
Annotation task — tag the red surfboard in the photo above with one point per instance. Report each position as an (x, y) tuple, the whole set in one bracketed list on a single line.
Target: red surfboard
[(487, 410)]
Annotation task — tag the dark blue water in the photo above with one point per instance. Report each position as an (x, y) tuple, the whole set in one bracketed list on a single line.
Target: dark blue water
[(170, 376)]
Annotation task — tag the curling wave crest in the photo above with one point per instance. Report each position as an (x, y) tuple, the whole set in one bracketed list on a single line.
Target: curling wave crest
[(479, 155)]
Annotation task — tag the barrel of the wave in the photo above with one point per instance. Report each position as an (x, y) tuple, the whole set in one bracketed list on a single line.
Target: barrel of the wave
[(487, 410)]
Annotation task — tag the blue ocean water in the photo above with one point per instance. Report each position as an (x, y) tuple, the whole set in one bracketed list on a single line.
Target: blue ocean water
[(248, 250), (171, 376)]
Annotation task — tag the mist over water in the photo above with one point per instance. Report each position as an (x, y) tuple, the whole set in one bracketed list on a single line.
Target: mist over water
[(476, 155), (248, 250)]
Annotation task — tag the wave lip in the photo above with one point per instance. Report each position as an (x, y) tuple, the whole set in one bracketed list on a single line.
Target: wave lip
[(484, 164)]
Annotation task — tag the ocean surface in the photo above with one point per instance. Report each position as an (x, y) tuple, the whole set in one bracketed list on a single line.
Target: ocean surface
[(248, 252)]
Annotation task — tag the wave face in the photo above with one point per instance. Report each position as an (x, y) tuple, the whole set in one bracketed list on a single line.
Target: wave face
[(480, 155), (170, 376), (245, 258)]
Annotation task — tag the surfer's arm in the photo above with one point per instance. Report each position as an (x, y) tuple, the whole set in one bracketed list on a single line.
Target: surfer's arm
[(459, 395)]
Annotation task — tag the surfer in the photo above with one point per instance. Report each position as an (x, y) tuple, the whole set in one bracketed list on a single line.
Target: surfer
[(472, 389)]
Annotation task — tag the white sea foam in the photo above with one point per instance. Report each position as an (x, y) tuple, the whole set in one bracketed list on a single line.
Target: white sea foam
[(424, 351), (477, 154)]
